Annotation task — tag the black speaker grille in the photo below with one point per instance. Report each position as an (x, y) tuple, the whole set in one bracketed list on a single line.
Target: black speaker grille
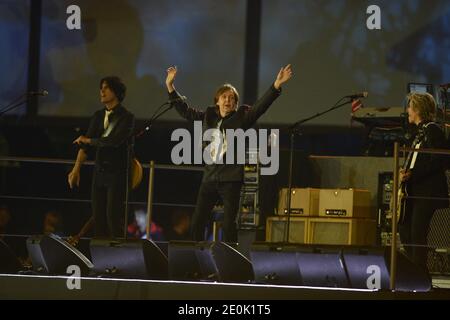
[(438, 241)]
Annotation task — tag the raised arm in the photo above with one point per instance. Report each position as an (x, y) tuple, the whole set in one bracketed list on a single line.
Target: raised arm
[(170, 79), (269, 96), (180, 105)]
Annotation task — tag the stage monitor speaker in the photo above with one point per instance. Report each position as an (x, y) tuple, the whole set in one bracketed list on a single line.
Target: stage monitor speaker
[(328, 260), (275, 264), (208, 261), (334, 266), (133, 258), (246, 237), (231, 264), (304, 265), (188, 261), (164, 246), (363, 263), (8, 260), (51, 254)]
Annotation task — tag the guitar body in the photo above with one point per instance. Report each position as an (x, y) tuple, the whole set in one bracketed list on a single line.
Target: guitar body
[(136, 173), (402, 195)]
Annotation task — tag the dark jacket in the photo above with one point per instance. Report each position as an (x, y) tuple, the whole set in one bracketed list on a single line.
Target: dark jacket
[(428, 174), (244, 118), (111, 150)]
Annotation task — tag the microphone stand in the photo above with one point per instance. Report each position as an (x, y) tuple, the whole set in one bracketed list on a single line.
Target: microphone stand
[(444, 98), (15, 104), (293, 130), (130, 144), (155, 116)]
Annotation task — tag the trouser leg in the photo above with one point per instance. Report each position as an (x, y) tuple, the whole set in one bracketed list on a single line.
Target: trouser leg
[(420, 222), (98, 198), (115, 210), (206, 199), (230, 192)]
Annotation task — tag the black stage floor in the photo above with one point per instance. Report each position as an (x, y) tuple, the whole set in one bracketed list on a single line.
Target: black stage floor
[(55, 287)]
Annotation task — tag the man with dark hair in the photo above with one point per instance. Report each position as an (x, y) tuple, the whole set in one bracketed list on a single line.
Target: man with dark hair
[(109, 134), (223, 180)]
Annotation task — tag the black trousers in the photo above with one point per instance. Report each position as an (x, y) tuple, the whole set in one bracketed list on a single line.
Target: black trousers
[(414, 230), (108, 204), (207, 197)]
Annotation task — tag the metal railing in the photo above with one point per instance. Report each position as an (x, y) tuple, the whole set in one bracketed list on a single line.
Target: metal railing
[(151, 166)]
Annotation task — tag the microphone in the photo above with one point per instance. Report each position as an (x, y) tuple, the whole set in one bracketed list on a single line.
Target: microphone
[(38, 93), (178, 99), (358, 95)]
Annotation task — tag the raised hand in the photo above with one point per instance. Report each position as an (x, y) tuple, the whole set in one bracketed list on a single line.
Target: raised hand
[(171, 75), (283, 76)]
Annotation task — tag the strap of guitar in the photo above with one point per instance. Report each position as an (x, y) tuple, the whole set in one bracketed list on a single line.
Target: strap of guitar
[(407, 162), (417, 139)]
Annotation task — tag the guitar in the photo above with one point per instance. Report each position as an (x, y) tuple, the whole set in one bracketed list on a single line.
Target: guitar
[(136, 173), (402, 193)]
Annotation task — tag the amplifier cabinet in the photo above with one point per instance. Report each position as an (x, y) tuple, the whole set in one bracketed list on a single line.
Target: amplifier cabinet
[(341, 231), (348, 203), (304, 201), (276, 229)]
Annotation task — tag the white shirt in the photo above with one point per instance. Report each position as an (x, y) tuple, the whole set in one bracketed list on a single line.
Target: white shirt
[(219, 144)]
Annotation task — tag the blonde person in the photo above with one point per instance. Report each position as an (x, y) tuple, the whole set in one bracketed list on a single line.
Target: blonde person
[(423, 176)]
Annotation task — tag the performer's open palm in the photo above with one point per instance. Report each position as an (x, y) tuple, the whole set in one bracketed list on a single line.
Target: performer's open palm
[(283, 76), (171, 74)]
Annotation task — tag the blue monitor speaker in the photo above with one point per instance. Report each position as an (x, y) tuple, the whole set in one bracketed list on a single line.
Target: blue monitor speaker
[(295, 264), (50, 254), (334, 266), (208, 261), (133, 258)]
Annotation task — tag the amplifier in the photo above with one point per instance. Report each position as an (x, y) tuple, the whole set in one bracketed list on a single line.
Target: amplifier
[(276, 229), (304, 201), (341, 231), (349, 203)]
